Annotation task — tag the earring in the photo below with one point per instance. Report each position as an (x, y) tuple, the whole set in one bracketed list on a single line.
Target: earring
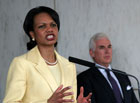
[(33, 39)]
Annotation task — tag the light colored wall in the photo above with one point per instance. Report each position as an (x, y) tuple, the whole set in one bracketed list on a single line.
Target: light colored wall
[(119, 19), (80, 19)]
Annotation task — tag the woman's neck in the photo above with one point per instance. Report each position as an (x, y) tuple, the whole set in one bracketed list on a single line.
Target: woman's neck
[(47, 53)]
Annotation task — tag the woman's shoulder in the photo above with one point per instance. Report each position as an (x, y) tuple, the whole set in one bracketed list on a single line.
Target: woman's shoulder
[(63, 59), (24, 57), (19, 59)]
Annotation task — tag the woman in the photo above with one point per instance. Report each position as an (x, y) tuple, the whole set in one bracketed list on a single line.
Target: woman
[(42, 75)]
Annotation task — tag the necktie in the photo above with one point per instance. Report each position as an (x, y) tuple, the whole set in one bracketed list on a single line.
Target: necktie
[(115, 87)]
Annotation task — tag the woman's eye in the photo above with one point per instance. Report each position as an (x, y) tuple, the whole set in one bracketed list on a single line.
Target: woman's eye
[(41, 26), (53, 25)]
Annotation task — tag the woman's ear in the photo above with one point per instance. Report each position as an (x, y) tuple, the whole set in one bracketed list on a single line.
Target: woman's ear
[(32, 35)]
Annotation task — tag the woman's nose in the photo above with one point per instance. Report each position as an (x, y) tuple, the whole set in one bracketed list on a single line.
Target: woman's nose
[(49, 29)]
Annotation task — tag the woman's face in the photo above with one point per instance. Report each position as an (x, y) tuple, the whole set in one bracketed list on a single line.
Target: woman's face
[(45, 30)]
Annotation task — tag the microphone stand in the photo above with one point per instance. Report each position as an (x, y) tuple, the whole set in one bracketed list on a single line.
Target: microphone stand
[(90, 64)]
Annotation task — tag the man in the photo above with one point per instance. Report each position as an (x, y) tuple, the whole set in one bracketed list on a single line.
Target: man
[(106, 86)]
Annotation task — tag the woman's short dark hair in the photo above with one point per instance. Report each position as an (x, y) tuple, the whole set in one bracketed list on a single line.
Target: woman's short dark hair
[(29, 21)]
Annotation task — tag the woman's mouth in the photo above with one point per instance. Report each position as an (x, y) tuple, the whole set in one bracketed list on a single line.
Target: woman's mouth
[(50, 37)]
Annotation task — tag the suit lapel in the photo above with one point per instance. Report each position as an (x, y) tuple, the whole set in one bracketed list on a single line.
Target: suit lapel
[(61, 66), (35, 57), (64, 66), (122, 84), (43, 69), (105, 85)]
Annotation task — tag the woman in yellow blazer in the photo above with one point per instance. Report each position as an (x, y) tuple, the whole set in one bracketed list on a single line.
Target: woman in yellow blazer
[(42, 75)]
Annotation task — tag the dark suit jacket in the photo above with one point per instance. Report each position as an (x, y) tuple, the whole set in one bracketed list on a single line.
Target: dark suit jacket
[(93, 81)]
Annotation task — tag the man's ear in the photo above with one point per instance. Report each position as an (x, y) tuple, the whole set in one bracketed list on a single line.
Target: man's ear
[(32, 34), (91, 53)]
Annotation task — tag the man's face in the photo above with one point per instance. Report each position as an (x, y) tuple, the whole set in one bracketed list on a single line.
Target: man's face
[(103, 52)]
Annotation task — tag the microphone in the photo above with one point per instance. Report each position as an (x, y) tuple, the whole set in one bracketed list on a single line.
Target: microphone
[(81, 62), (90, 64)]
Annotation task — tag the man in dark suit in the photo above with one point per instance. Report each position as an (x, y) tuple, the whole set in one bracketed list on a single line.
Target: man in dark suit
[(106, 86)]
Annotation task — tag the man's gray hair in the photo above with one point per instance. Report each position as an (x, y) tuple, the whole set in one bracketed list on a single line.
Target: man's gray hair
[(94, 38)]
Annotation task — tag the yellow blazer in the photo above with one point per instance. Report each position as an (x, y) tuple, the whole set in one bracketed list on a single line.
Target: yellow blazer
[(30, 80)]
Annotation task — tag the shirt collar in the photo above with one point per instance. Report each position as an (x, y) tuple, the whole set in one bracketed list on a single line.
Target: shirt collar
[(109, 67)]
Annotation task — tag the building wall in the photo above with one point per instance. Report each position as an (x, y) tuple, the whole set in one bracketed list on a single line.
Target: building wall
[(80, 19)]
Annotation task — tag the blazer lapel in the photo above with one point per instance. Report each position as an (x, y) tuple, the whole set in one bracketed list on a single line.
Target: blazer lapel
[(104, 84), (61, 66), (43, 69), (35, 57), (64, 66), (123, 85)]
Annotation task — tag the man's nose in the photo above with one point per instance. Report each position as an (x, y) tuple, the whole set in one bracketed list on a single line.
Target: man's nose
[(107, 50)]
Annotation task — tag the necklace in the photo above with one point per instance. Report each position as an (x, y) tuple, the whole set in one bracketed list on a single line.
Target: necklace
[(51, 63)]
